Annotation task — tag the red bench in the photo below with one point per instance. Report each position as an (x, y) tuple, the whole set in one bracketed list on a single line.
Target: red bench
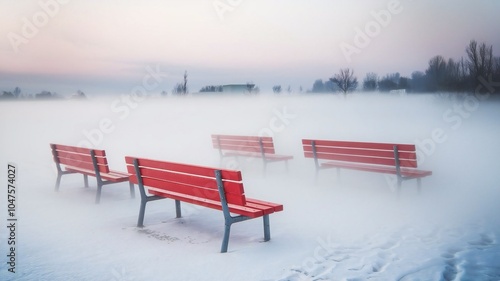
[(248, 146), (387, 158), (89, 162), (208, 187)]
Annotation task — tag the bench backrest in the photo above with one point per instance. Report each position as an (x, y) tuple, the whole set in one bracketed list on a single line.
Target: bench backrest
[(79, 157), (196, 181), (361, 152), (251, 144)]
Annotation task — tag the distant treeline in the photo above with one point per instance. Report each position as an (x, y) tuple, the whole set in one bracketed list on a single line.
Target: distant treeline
[(43, 95), (479, 67)]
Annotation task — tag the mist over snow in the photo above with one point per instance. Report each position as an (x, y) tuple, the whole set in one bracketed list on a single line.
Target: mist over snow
[(353, 228)]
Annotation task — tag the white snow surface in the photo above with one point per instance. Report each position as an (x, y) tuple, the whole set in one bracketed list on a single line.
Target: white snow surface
[(349, 228)]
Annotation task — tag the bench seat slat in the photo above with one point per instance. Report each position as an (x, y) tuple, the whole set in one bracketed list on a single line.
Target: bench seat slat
[(235, 209), (264, 204), (377, 169), (113, 176), (365, 160)]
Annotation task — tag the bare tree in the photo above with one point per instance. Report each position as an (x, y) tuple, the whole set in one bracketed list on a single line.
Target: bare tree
[(345, 80), (436, 73), (370, 82), (480, 61), (184, 86), (181, 88), (277, 89)]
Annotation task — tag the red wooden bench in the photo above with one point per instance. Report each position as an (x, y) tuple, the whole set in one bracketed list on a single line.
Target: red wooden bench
[(388, 158), (89, 162), (208, 187), (248, 146)]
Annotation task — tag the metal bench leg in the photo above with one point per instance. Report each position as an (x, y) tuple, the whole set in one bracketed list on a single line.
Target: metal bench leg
[(178, 209), (98, 195), (316, 177), (58, 181), (267, 229), (86, 180), (419, 185), (400, 181), (225, 241), (140, 221), (132, 190)]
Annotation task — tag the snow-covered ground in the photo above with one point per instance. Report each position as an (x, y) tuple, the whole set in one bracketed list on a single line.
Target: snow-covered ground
[(353, 228)]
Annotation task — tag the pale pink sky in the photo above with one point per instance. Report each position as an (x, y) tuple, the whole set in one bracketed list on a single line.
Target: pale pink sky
[(66, 45)]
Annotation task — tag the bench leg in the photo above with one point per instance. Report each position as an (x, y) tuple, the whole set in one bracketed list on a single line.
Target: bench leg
[(132, 190), (419, 185), (225, 241), (58, 181), (98, 195), (140, 221), (267, 228), (400, 181), (178, 209), (86, 180)]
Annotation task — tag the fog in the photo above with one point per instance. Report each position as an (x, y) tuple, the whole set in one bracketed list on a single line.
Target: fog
[(405, 236)]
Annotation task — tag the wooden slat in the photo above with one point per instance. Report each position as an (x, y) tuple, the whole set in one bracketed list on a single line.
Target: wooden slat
[(185, 168), (244, 138), (378, 169), (363, 152), (274, 206), (243, 144), (81, 157), (77, 149), (360, 159), (202, 193), (84, 165), (367, 145), (253, 149), (235, 209), (202, 182)]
